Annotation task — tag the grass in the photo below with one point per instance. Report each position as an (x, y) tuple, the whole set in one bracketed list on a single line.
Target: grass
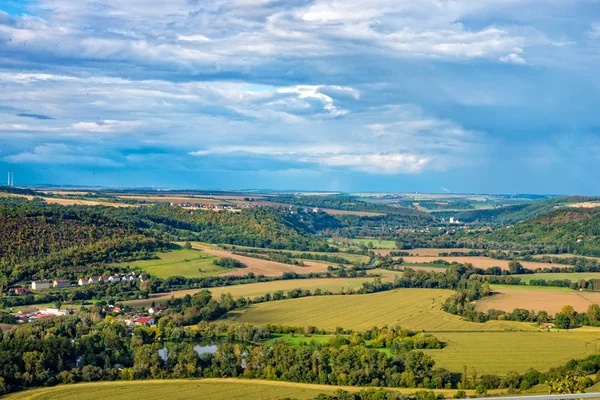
[(334, 285), (430, 265), (416, 309), (535, 288), (377, 244), (549, 276), (191, 389), (298, 340), (180, 262), (352, 258), (502, 352)]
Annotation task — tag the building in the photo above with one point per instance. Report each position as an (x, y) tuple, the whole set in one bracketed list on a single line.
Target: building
[(114, 279), (144, 321), (61, 284), (20, 291), (41, 285), (93, 280), (82, 281)]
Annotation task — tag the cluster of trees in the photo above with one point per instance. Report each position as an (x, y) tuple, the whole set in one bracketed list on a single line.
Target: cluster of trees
[(229, 262)]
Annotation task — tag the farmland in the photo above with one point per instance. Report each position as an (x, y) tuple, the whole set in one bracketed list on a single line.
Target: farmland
[(180, 262), (481, 262), (262, 267), (549, 276), (188, 389), (537, 298), (416, 309), (502, 352), (251, 290)]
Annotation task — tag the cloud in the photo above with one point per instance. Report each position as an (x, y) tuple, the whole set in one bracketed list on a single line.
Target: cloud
[(36, 116), (513, 58), (105, 126), (59, 153)]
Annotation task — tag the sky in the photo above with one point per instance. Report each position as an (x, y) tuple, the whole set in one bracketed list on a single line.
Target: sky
[(460, 96)]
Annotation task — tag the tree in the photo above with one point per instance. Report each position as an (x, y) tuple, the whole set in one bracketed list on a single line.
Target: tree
[(569, 311), (593, 313), (568, 384), (187, 245), (515, 267), (563, 321)]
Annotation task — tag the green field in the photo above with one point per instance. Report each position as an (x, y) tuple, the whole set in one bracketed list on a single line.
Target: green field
[(298, 340), (530, 288), (502, 352), (416, 309), (334, 285), (377, 244), (352, 258), (572, 276), (430, 265), (179, 262), (190, 389)]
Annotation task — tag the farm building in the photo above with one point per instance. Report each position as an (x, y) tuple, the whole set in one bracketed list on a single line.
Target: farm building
[(41, 285), (144, 321), (61, 284)]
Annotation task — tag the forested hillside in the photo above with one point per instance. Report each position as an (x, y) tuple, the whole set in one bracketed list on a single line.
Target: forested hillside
[(512, 214), (566, 230), (39, 239)]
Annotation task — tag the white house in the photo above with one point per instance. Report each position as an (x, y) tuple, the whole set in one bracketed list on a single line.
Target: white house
[(41, 285), (93, 280), (83, 282), (61, 284), (114, 279)]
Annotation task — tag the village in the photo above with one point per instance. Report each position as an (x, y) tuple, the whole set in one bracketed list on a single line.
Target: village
[(46, 284)]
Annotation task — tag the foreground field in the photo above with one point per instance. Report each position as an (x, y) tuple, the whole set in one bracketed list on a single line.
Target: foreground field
[(180, 262), (502, 352), (481, 262), (416, 309), (191, 389), (334, 285), (537, 298)]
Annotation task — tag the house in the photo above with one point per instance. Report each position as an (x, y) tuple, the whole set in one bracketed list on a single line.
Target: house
[(144, 321), (114, 279), (61, 284), (83, 281), (41, 285), (93, 280), (104, 279), (55, 311), (155, 310), (20, 291)]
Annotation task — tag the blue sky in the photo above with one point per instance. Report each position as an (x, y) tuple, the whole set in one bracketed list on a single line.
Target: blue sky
[(495, 96)]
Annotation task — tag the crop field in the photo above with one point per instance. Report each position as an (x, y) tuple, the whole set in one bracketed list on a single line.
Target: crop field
[(377, 244), (549, 276), (415, 309), (192, 389), (334, 285), (481, 262), (346, 212), (353, 258), (263, 267), (71, 202), (502, 352), (537, 298), (180, 262), (423, 252)]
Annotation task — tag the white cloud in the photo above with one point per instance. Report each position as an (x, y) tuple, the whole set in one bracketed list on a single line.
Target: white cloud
[(513, 58), (59, 153), (105, 126)]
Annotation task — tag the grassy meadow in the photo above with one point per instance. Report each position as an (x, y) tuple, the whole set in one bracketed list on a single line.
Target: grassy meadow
[(549, 276), (415, 309), (334, 285), (188, 263)]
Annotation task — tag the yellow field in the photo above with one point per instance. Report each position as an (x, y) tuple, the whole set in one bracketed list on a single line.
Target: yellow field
[(537, 298), (334, 285), (71, 202), (416, 309), (502, 352), (192, 389), (481, 262)]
